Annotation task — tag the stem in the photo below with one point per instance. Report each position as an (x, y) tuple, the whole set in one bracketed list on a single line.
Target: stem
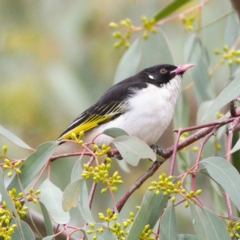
[(207, 128), (175, 153), (91, 195)]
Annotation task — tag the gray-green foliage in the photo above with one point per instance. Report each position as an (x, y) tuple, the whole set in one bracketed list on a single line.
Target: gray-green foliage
[(183, 31)]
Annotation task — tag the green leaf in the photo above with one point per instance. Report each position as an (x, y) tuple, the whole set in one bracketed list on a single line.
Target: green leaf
[(83, 204), (236, 147), (187, 237), (51, 196), (49, 237), (22, 232), (129, 62), (231, 30), (160, 53), (168, 227), (198, 222), (33, 164), (5, 196), (169, 9), (13, 138), (149, 213), (201, 111), (106, 235), (214, 226), (196, 53), (227, 95), (77, 170), (71, 195), (132, 149), (47, 220), (225, 175), (115, 132)]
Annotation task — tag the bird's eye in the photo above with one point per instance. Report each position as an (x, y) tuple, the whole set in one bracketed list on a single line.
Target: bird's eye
[(163, 70)]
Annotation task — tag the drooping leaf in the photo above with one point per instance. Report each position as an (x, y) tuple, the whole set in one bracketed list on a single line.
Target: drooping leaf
[(168, 227), (129, 62), (227, 95), (132, 149), (13, 138), (71, 195), (52, 237), (231, 30), (160, 53), (214, 226), (198, 222), (225, 175), (201, 111), (236, 147), (83, 204), (196, 53), (187, 237), (169, 9), (47, 220), (33, 164), (51, 196), (22, 232), (77, 170), (115, 132), (181, 113), (149, 213), (5, 196)]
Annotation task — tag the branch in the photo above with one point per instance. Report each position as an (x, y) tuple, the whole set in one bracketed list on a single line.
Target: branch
[(204, 130)]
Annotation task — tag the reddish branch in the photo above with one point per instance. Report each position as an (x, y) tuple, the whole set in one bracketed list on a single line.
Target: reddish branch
[(205, 129)]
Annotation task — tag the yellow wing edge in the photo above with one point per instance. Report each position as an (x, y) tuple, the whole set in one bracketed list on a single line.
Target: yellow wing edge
[(86, 126)]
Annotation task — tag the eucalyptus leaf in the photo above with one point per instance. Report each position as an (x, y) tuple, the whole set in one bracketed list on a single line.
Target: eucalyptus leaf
[(227, 95), (71, 195), (77, 170), (149, 213), (225, 175), (129, 62), (196, 53), (231, 30), (52, 237), (132, 149), (161, 53), (83, 204), (214, 226), (115, 132), (198, 222), (168, 227), (236, 147), (5, 196), (22, 232), (47, 220), (33, 164), (169, 9), (187, 237), (13, 138), (51, 196)]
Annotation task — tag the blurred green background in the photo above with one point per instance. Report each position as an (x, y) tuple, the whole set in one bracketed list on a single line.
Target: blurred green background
[(57, 59)]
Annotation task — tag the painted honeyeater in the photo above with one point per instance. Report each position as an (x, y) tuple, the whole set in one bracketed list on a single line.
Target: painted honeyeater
[(142, 105)]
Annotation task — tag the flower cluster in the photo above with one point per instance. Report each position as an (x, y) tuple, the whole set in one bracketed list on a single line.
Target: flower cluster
[(166, 185)]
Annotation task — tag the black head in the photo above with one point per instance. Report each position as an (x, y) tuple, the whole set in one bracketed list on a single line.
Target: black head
[(160, 74)]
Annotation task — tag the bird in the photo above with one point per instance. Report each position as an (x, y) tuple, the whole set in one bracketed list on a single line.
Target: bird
[(142, 105)]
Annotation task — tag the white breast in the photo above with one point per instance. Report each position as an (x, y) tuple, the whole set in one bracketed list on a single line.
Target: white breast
[(150, 112)]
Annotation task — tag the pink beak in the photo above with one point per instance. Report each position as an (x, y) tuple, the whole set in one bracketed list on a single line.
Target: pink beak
[(183, 68)]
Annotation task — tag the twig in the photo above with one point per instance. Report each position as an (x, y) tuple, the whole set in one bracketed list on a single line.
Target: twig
[(168, 152)]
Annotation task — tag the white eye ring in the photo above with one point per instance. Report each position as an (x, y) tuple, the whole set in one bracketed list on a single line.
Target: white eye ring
[(151, 76)]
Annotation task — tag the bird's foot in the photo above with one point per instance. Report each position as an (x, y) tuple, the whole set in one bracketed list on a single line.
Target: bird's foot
[(157, 149)]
